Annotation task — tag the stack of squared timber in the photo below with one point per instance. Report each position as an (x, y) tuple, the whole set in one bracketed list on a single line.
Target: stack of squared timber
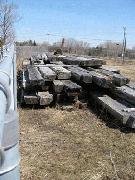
[(90, 76), (41, 84), (66, 90), (34, 82), (119, 101), (107, 79), (67, 86), (119, 79), (54, 82)]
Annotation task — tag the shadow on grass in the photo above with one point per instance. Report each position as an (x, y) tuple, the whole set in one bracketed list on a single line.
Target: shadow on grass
[(108, 119)]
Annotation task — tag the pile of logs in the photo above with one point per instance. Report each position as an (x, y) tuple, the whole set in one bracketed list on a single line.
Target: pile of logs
[(49, 79)]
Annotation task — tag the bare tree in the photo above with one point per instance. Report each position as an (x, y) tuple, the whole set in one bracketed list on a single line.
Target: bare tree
[(73, 46), (7, 19), (112, 49)]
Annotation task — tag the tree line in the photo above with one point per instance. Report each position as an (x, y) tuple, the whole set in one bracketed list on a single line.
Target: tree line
[(26, 43), (107, 49)]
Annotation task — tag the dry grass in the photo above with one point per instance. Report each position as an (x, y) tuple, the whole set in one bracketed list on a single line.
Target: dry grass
[(62, 145), (127, 69)]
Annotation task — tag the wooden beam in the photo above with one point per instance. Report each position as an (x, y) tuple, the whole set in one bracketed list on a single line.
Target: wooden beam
[(80, 74), (118, 79), (61, 72), (31, 99), (115, 108), (47, 73), (102, 80), (45, 98), (71, 88), (59, 63), (58, 86), (126, 93), (34, 76), (83, 61)]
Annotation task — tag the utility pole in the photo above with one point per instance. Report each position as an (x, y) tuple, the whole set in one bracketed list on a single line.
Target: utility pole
[(124, 45), (62, 43)]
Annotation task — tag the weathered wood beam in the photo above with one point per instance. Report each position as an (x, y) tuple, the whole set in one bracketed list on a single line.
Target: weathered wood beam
[(80, 74), (118, 79), (71, 88), (58, 86), (34, 76), (45, 98), (59, 63), (82, 61), (102, 80), (118, 110), (61, 72), (126, 93), (47, 73), (55, 64), (31, 99), (89, 76)]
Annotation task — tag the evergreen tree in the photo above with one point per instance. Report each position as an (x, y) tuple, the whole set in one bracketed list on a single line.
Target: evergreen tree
[(34, 43)]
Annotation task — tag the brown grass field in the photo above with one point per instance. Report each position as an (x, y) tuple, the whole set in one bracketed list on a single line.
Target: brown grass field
[(76, 145)]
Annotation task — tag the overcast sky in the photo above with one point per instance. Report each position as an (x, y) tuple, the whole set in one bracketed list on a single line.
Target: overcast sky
[(90, 20)]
